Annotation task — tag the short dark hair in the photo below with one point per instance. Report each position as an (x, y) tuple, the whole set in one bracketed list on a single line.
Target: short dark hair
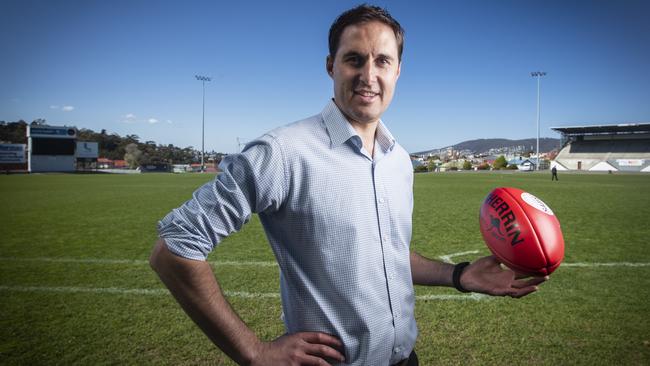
[(362, 14)]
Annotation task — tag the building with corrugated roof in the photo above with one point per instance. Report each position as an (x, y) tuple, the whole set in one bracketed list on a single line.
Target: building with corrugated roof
[(620, 147)]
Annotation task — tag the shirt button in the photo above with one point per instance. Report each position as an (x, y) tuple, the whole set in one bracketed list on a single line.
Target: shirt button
[(381, 199), (397, 349)]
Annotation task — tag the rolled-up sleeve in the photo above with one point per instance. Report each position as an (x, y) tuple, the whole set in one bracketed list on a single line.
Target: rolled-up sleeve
[(251, 182)]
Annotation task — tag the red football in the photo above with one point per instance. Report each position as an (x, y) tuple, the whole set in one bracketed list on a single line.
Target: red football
[(521, 231)]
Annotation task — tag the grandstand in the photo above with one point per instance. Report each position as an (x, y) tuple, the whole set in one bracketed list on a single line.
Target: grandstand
[(621, 147)]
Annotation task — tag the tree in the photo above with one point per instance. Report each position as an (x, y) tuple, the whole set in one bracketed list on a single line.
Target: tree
[(431, 165), (131, 139), (500, 162), (133, 155), (467, 165), (13, 132), (420, 168)]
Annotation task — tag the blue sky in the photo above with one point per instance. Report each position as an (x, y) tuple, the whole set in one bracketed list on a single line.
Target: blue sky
[(128, 67)]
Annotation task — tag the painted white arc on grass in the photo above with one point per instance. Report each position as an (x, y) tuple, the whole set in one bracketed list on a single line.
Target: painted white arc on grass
[(447, 258)]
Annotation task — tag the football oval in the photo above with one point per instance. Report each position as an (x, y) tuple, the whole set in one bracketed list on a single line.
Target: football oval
[(521, 231)]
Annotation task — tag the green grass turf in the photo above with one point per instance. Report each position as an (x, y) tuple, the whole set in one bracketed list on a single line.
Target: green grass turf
[(583, 315)]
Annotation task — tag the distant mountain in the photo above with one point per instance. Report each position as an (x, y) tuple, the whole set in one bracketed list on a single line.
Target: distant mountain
[(478, 146), (545, 144)]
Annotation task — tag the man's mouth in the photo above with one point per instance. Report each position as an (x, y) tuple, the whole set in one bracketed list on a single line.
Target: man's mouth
[(366, 95)]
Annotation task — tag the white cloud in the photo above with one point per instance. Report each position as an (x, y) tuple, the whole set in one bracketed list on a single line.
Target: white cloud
[(132, 118), (54, 107), (67, 108), (128, 118)]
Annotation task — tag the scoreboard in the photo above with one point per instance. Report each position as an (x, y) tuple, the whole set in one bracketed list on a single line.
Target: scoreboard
[(51, 148)]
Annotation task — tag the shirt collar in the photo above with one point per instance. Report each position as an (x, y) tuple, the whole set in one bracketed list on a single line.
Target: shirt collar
[(384, 137), (340, 130)]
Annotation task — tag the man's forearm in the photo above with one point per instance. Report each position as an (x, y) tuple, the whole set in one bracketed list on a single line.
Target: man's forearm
[(196, 289), (484, 276), (430, 272)]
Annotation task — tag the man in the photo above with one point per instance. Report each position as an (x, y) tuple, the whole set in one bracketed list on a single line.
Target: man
[(553, 173), (334, 194)]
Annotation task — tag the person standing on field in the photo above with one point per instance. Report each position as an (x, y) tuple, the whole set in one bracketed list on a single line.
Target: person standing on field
[(554, 174), (334, 194)]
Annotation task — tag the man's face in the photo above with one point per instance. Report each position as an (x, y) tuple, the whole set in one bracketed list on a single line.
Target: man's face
[(365, 70)]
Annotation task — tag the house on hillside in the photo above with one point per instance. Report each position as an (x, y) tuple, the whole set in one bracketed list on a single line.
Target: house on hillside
[(181, 168), (523, 164), (120, 164), (104, 163)]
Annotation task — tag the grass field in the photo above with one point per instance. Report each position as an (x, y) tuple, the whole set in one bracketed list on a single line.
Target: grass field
[(75, 286)]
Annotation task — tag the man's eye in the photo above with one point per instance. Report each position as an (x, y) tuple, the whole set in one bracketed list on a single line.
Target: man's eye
[(356, 61), (383, 61)]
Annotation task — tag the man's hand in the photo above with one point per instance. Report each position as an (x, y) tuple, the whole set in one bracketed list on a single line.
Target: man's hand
[(306, 348), (488, 277)]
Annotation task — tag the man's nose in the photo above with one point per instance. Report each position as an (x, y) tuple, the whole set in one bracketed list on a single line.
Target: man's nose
[(369, 73)]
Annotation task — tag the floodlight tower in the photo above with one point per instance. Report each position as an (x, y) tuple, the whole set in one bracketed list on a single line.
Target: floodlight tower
[(203, 79), (538, 75)]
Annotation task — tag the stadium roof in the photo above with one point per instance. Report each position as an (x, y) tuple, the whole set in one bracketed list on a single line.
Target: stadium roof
[(623, 128)]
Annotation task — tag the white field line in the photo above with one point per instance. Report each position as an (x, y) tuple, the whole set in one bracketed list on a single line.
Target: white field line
[(124, 291), (94, 290), (129, 261), (444, 258), (162, 292), (447, 258), (609, 264), (472, 296)]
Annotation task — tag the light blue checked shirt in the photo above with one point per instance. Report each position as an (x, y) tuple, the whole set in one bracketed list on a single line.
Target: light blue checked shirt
[(339, 223)]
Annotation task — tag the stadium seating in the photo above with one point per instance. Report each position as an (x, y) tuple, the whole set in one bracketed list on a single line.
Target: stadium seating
[(606, 154)]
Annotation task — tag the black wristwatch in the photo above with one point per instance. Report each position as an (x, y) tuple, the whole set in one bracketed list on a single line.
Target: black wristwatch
[(458, 271)]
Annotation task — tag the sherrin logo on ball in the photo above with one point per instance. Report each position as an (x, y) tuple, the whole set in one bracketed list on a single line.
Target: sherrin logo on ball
[(521, 231)]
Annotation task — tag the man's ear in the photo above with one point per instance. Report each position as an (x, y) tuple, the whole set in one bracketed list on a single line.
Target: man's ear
[(399, 69), (329, 65)]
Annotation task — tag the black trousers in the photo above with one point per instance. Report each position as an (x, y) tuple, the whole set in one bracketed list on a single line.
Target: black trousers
[(411, 361)]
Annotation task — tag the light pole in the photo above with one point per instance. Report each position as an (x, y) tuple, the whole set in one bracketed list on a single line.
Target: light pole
[(538, 75), (203, 79)]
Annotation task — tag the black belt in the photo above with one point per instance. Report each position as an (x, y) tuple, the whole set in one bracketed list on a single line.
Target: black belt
[(411, 361)]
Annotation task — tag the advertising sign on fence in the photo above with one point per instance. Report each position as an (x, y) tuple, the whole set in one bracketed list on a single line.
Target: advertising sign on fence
[(12, 154)]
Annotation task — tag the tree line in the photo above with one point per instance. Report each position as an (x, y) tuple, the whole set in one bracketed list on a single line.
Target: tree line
[(114, 146)]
